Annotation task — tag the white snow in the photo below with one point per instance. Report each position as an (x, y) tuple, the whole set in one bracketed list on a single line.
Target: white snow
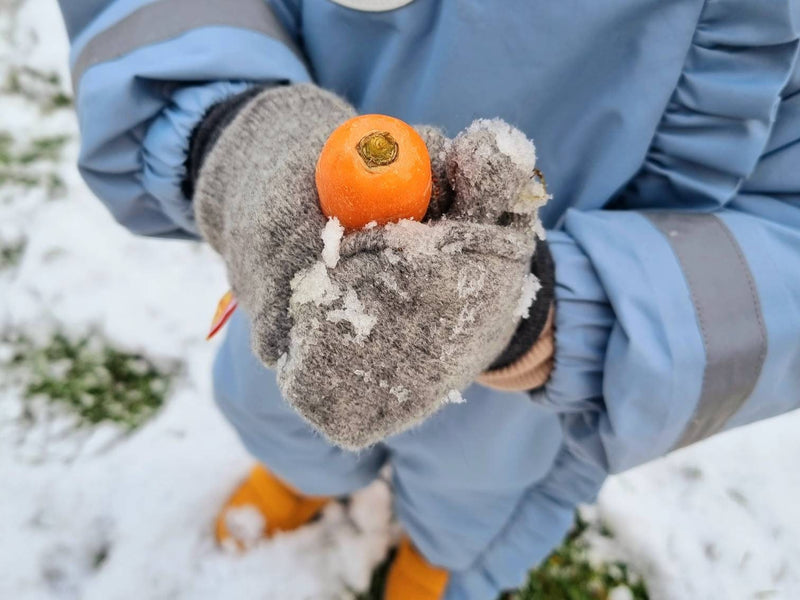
[(471, 281), (454, 397), (353, 312), (530, 287), (620, 593), (539, 230), (531, 198), (466, 316), (513, 143), (280, 364), (99, 515), (332, 240), (401, 393), (245, 524), (365, 375), (392, 256), (96, 514), (414, 237), (314, 285), (387, 280), (510, 141), (716, 520)]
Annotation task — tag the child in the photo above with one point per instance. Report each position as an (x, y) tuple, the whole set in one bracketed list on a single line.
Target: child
[(668, 282)]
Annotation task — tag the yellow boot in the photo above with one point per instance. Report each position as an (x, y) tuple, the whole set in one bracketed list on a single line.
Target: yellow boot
[(411, 577), (261, 506)]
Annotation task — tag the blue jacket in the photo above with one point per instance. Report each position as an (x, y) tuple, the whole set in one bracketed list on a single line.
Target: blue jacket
[(669, 133)]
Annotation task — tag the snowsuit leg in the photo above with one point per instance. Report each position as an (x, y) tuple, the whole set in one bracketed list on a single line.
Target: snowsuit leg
[(274, 433), (487, 488)]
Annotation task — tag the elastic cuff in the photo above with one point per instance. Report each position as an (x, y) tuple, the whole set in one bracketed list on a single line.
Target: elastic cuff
[(166, 144), (531, 370), (207, 132)]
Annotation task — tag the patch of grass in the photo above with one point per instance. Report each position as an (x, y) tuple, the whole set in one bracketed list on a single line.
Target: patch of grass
[(23, 166), (92, 380), (43, 149), (568, 575), (565, 575), (40, 149), (41, 88), (11, 254)]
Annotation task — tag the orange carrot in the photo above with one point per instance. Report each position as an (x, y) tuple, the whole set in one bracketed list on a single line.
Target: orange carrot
[(374, 168)]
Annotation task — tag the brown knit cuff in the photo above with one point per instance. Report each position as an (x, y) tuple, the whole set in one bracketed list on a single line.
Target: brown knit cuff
[(531, 370)]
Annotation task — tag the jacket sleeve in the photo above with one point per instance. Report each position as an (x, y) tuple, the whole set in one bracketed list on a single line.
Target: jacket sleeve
[(145, 72), (678, 312)]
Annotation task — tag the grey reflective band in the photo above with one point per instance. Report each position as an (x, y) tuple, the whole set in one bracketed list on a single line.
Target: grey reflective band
[(728, 312), (167, 19)]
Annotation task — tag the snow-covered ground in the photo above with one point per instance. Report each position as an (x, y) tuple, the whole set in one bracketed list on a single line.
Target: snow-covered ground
[(102, 515)]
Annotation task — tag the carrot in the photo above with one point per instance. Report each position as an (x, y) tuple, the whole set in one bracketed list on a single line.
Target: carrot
[(374, 168), (371, 168)]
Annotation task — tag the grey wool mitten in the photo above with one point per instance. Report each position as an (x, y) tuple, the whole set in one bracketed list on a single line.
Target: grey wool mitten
[(374, 330), (256, 202)]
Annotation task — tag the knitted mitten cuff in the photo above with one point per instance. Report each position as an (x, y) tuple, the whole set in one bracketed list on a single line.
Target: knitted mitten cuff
[(531, 370)]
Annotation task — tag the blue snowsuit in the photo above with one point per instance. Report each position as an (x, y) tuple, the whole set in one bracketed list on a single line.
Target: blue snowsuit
[(669, 133)]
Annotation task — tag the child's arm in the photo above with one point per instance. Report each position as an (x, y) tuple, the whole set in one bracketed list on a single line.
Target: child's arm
[(144, 74), (676, 324), (635, 362)]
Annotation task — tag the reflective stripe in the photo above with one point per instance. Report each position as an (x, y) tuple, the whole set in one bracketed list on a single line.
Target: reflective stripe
[(167, 19), (728, 313)]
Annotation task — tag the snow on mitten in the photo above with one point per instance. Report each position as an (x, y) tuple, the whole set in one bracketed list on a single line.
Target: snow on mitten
[(256, 202), (407, 315)]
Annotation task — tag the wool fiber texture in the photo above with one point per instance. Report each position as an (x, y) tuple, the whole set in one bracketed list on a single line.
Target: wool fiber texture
[(411, 313)]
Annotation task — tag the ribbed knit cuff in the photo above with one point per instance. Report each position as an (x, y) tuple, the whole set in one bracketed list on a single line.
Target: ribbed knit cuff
[(532, 369)]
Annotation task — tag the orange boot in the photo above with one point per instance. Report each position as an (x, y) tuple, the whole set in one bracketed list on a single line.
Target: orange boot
[(411, 577), (261, 506)]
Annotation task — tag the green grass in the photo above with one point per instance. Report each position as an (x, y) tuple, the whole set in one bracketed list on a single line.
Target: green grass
[(44, 89), (33, 164), (566, 575), (42, 149), (11, 254), (39, 149), (22, 166), (91, 380)]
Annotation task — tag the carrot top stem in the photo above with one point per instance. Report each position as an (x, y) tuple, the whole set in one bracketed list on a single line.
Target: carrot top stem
[(378, 149)]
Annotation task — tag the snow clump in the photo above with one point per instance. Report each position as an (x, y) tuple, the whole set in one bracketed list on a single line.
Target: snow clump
[(332, 240), (416, 237), (454, 397), (246, 524), (621, 592), (314, 285), (530, 287), (510, 141), (401, 393), (354, 313), (392, 256)]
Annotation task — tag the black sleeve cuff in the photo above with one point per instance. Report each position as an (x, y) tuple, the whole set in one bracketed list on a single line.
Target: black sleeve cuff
[(207, 132), (529, 329)]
